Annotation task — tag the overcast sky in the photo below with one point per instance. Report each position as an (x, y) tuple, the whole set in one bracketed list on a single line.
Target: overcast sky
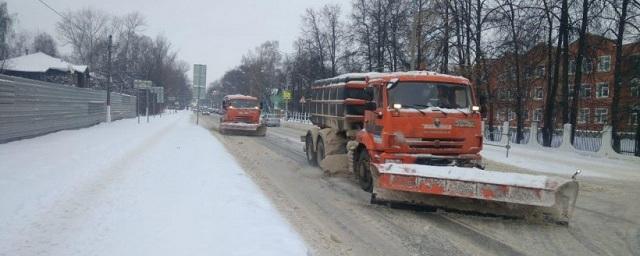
[(212, 32)]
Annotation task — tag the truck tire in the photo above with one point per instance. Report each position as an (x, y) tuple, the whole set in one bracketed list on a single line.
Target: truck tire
[(320, 153), (311, 154), (364, 171)]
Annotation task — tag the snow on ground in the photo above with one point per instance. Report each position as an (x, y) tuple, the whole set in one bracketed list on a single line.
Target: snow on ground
[(563, 163), (163, 188)]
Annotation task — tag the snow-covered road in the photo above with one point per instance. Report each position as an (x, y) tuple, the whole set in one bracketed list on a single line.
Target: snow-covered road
[(163, 188)]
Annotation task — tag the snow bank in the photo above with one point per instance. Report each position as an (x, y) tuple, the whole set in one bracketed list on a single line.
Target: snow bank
[(163, 188), (553, 161)]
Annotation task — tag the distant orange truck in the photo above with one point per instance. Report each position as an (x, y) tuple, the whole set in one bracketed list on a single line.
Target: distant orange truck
[(241, 115)]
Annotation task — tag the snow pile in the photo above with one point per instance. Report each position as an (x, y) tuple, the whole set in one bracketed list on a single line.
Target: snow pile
[(163, 188), (554, 161), (465, 174)]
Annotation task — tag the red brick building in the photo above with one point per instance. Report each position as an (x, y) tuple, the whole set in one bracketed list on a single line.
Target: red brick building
[(595, 95)]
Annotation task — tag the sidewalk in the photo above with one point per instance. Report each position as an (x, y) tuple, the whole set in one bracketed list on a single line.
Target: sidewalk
[(163, 188)]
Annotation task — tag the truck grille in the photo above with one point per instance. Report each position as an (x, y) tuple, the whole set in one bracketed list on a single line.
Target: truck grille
[(437, 143), (242, 119)]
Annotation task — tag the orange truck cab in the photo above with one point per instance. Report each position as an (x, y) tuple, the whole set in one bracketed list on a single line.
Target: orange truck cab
[(422, 118), (241, 113)]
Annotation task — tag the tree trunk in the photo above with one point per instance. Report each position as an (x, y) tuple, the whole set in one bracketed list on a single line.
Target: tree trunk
[(617, 77), (445, 41), (565, 63), (577, 86), (516, 49), (549, 112)]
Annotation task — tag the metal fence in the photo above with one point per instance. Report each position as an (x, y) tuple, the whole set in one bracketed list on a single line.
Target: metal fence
[(627, 143), (494, 134), (29, 107), (556, 139), (587, 140), (298, 117), (525, 135)]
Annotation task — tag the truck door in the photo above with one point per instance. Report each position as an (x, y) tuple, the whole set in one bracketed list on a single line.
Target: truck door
[(373, 119)]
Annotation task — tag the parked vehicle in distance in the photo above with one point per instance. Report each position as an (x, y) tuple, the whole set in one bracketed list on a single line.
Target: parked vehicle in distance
[(271, 120)]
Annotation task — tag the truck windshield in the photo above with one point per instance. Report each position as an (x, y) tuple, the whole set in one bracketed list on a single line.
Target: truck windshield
[(243, 103), (425, 95)]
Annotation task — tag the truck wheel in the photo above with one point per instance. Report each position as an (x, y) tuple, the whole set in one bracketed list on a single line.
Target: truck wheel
[(320, 150), (364, 171), (311, 155)]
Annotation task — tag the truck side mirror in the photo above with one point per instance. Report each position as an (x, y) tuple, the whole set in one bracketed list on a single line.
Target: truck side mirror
[(370, 105)]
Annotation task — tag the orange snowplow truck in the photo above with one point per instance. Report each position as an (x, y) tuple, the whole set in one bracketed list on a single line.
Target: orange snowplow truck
[(241, 115), (416, 137)]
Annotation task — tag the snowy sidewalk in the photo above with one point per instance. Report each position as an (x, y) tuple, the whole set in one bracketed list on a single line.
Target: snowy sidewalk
[(163, 188), (563, 163)]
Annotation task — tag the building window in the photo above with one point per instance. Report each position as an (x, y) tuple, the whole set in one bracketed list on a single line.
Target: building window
[(538, 93), (571, 89), (512, 115), (585, 91), (572, 67), (525, 114), (635, 87), (540, 71), (602, 90), (601, 115), (583, 116), (604, 63), (587, 66), (633, 118), (537, 115)]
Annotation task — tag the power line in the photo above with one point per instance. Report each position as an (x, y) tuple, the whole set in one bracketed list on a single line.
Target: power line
[(52, 9)]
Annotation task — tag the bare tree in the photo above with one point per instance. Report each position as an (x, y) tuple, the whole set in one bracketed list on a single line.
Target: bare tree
[(577, 85), (85, 30), (45, 43), (316, 37), (333, 33), (6, 23), (621, 10)]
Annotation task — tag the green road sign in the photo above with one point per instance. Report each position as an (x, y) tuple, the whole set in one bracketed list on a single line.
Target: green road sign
[(199, 75), (142, 84)]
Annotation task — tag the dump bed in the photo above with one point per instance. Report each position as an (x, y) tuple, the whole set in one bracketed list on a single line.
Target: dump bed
[(338, 102)]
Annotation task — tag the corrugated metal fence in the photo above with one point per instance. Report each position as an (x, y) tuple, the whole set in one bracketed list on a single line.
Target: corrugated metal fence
[(29, 107)]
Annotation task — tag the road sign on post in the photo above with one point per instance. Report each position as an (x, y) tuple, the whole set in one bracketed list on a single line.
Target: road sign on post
[(142, 84), (199, 83), (159, 91), (286, 95)]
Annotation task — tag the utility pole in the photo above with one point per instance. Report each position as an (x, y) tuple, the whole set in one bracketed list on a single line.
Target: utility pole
[(198, 107), (109, 81), (147, 98)]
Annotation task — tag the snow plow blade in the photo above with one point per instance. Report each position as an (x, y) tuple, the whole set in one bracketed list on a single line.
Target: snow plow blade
[(474, 190), (243, 128)]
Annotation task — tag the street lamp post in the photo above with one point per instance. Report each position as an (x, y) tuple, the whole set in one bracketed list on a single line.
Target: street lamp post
[(109, 81)]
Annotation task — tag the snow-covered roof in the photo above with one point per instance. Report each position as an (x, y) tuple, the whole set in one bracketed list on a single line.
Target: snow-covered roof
[(40, 63), (240, 97)]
